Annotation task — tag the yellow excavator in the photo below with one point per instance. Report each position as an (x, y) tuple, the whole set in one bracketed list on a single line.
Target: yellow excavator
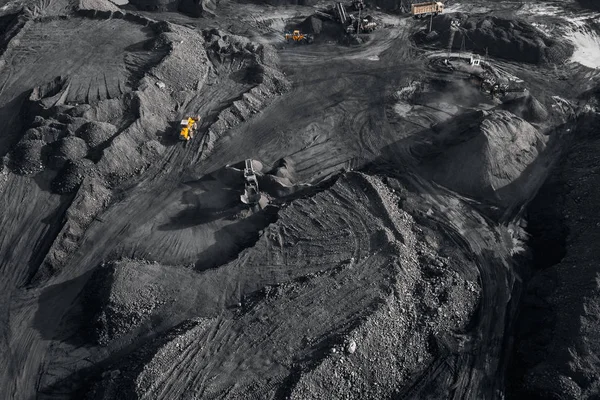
[(188, 127)]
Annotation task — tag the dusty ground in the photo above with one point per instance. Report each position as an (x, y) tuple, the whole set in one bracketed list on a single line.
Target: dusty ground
[(401, 232)]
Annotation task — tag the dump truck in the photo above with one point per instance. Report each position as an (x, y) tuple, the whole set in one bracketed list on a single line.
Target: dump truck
[(251, 193), (298, 37), (421, 10), (188, 127)]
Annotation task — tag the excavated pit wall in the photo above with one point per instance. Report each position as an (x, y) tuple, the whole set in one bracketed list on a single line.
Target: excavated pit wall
[(118, 162)]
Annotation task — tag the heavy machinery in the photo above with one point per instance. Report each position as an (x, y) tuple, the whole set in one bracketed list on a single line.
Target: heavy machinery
[(358, 4), (340, 12), (362, 25), (421, 10), (251, 193), (299, 37), (188, 127)]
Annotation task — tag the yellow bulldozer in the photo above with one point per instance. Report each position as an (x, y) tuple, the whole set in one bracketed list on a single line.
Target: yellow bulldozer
[(298, 37), (188, 127)]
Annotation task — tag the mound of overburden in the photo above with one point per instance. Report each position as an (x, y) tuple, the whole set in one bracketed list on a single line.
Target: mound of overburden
[(28, 157), (70, 148), (509, 39), (482, 157), (528, 108), (97, 133), (122, 295), (311, 25), (343, 297), (558, 335)]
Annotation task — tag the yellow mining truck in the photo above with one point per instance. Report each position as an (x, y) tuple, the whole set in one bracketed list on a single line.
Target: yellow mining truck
[(188, 127), (421, 10)]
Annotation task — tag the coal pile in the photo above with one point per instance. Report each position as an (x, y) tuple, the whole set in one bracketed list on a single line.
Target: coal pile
[(483, 157), (287, 2), (96, 134), (557, 336), (70, 148), (154, 5), (197, 8), (528, 108), (119, 304), (71, 175), (312, 25), (590, 4), (27, 157), (509, 39)]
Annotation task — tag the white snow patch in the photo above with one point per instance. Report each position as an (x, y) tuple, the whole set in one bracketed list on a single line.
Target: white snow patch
[(402, 109), (541, 9), (373, 58), (543, 28), (587, 46)]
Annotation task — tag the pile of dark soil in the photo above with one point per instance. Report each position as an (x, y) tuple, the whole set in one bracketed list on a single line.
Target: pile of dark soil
[(96, 133), (197, 8), (392, 5), (71, 175), (154, 5), (557, 339), (591, 4), (10, 24), (321, 28), (482, 156), (70, 148), (118, 301), (509, 39), (528, 108), (28, 157), (311, 25), (286, 2)]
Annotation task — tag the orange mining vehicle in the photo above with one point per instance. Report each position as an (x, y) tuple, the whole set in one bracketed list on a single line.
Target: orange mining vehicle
[(298, 37), (420, 10), (188, 127)]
